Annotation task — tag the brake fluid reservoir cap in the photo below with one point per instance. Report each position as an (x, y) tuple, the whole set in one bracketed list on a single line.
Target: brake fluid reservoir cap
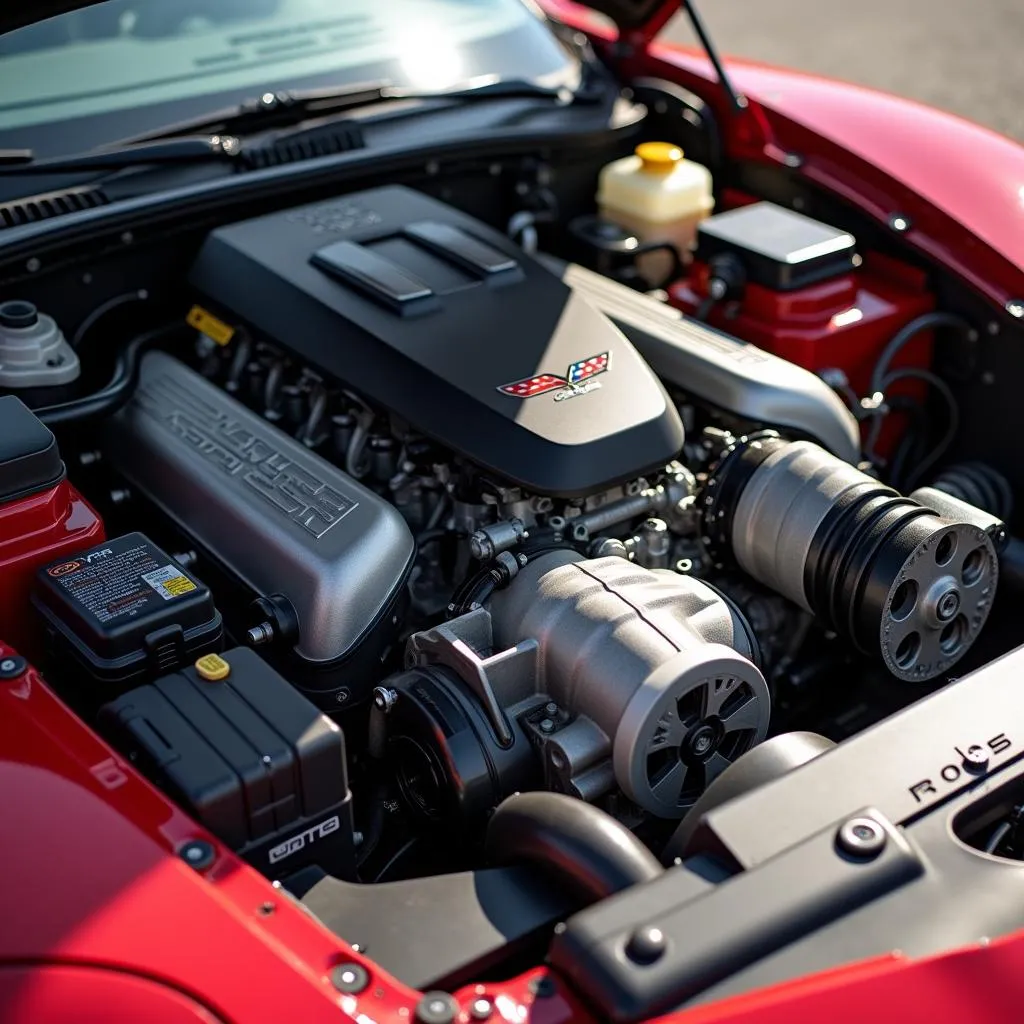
[(33, 351), (213, 668), (659, 157)]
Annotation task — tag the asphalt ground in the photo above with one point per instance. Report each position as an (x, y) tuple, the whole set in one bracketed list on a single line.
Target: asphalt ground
[(965, 56)]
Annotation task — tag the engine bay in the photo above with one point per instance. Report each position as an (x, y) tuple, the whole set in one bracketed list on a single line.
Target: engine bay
[(407, 512)]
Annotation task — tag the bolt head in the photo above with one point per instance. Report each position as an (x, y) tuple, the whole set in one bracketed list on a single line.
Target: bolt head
[(12, 667), (862, 838), (481, 1009), (350, 978), (975, 759), (948, 606), (436, 1008), (1015, 307), (198, 854), (646, 945)]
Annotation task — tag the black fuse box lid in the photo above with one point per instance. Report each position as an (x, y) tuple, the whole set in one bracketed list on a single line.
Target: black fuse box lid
[(29, 458), (248, 755), (124, 608), (779, 249)]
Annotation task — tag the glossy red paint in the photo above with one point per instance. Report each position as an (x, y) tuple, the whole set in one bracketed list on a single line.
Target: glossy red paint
[(33, 531), (55, 994), (843, 323), (960, 186), (91, 879)]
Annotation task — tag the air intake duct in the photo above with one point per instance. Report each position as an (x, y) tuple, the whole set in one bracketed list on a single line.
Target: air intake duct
[(894, 577)]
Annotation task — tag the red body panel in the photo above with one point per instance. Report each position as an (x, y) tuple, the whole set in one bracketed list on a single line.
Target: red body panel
[(842, 323), (33, 531)]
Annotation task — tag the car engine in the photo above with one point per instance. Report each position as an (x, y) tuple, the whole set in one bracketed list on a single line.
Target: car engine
[(408, 515)]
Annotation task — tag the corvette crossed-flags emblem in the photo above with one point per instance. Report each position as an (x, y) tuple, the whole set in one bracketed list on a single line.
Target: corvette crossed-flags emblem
[(578, 372)]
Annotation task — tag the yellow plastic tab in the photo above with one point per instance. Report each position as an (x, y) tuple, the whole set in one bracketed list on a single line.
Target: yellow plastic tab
[(214, 328), (659, 157), (213, 668)]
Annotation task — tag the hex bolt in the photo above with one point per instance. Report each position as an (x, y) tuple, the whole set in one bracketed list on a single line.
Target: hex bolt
[(350, 978), (546, 725), (862, 838)]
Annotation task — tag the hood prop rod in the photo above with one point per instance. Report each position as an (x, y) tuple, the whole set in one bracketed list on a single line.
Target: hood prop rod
[(737, 102)]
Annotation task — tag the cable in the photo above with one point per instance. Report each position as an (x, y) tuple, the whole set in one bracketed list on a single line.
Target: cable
[(102, 310), (902, 337), (118, 390), (954, 415)]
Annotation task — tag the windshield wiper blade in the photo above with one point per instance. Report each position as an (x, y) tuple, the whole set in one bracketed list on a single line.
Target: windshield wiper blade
[(284, 109), (197, 149), (218, 137)]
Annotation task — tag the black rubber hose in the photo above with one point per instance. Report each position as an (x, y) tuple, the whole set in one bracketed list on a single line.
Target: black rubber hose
[(118, 390), (583, 848)]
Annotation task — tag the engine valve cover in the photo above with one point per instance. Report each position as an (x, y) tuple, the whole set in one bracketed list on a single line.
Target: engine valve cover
[(280, 518), (452, 327)]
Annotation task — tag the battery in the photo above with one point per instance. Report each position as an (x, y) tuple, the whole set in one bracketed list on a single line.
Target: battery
[(126, 609), (248, 756)]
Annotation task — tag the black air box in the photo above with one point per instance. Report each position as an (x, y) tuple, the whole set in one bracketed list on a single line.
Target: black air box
[(451, 326), (250, 758)]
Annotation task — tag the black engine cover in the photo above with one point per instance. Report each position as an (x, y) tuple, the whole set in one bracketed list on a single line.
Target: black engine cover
[(452, 327)]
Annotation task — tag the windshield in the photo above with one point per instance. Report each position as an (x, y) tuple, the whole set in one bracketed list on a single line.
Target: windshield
[(126, 66)]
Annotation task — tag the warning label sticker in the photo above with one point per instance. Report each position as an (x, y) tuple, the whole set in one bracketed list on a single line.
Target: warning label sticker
[(123, 579), (169, 582)]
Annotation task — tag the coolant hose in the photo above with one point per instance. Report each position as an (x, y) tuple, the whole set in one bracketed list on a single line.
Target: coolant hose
[(584, 848)]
